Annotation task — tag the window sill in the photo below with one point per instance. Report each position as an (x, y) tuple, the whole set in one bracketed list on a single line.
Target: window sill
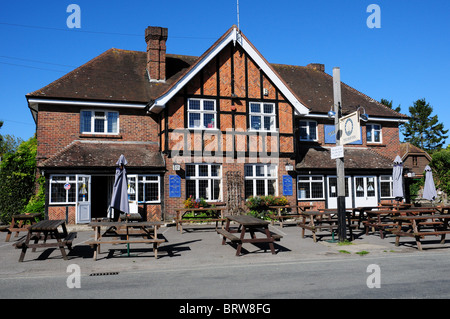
[(376, 144), (112, 136)]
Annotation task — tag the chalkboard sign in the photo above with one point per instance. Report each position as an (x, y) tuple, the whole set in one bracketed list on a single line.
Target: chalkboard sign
[(174, 186), (287, 185)]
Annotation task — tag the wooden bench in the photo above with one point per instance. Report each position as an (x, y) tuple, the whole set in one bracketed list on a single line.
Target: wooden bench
[(155, 242), (227, 234), (215, 215), (67, 241), (47, 229), (421, 226), (282, 218), (132, 231)]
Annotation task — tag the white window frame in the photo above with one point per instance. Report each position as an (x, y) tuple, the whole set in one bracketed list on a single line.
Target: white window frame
[(94, 116), (389, 181), (146, 181), (262, 115), (197, 178), (265, 178), (308, 131), (202, 113), (67, 179), (310, 181), (372, 131)]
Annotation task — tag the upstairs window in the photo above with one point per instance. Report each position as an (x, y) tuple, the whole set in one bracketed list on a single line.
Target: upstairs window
[(99, 122), (201, 114), (373, 133), (308, 131), (262, 116)]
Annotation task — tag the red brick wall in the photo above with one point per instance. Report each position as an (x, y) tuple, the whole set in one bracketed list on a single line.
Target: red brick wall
[(58, 126), (59, 212)]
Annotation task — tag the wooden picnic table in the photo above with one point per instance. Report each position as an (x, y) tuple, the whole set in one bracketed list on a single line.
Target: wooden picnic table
[(248, 225), (443, 209), (212, 215), (396, 206), (125, 233), (419, 226), (315, 221), (382, 219), (49, 229), (359, 214), (287, 215), (19, 223)]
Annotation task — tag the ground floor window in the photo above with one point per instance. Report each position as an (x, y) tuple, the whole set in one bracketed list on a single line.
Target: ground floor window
[(148, 188), (204, 181), (310, 187), (386, 186), (260, 180), (63, 189)]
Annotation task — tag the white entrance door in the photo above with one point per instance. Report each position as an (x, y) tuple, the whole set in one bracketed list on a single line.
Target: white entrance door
[(83, 206), (332, 192), (366, 191), (133, 194)]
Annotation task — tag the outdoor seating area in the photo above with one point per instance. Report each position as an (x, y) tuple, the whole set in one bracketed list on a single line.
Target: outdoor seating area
[(239, 231), (415, 222)]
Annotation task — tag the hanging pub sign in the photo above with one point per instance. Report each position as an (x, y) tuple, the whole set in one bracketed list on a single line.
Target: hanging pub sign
[(349, 128)]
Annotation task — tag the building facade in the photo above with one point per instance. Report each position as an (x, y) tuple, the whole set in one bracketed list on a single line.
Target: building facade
[(187, 124)]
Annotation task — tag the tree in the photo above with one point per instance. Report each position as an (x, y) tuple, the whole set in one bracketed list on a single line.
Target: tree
[(389, 105), (422, 129), (441, 164), (17, 179), (8, 143)]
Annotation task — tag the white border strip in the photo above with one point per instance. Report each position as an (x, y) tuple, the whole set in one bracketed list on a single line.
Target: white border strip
[(87, 103)]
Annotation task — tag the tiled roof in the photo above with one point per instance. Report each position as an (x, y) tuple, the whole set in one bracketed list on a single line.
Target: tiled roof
[(120, 75), (115, 75), (106, 154), (408, 148), (315, 89), (354, 158)]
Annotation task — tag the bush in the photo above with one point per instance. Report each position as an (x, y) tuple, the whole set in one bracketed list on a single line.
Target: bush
[(441, 165), (259, 205), (37, 201), (195, 203)]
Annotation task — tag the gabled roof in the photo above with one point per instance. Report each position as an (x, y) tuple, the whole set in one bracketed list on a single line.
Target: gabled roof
[(235, 36), (120, 77), (410, 149), (315, 88), (115, 76)]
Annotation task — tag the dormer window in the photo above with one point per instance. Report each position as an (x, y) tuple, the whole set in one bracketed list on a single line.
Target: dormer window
[(373, 133), (99, 122), (201, 114), (308, 131)]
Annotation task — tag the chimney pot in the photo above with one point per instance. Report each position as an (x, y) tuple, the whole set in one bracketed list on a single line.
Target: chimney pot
[(156, 38)]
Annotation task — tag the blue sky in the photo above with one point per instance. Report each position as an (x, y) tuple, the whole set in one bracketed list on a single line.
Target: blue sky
[(404, 60)]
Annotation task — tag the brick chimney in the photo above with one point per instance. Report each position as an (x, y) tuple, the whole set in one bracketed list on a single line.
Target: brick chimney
[(156, 38)]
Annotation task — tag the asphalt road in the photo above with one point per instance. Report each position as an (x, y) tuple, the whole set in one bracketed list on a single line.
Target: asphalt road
[(195, 266)]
